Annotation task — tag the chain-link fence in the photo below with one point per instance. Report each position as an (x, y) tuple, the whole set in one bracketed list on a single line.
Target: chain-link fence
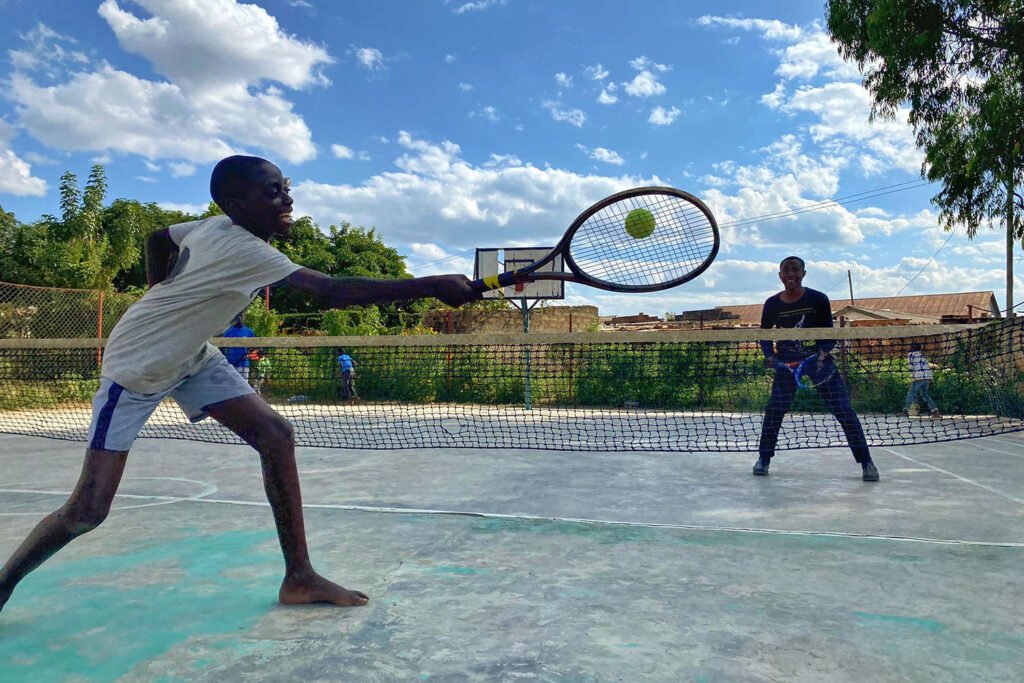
[(28, 312)]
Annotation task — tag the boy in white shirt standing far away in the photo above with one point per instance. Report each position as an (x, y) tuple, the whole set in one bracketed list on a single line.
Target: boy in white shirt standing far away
[(921, 376), (159, 348)]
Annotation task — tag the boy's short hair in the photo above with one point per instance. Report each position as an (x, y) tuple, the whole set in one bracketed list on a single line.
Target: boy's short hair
[(231, 176), (793, 258)]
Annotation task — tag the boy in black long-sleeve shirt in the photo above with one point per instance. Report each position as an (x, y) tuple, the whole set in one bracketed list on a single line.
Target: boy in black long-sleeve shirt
[(796, 307)]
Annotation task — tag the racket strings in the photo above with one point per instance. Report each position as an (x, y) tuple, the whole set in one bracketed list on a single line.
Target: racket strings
[(682, 241)]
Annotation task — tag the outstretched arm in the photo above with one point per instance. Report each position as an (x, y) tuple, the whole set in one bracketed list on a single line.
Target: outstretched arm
[(337, 292), (160, 253)]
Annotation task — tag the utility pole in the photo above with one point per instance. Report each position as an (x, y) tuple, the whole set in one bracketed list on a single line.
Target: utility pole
[(1009, 244), (849, 278)]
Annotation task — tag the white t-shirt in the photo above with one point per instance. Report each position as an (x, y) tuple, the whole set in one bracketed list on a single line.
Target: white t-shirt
[(919, 367), (163, 337)]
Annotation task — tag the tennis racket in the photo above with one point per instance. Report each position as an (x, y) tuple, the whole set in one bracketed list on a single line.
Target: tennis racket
[(808, 373), (641, 240)]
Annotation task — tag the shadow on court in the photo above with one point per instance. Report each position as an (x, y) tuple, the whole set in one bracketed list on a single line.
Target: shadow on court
[(524, 565)]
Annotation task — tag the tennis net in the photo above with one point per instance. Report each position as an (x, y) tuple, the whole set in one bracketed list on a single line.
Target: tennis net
[(643, 391)]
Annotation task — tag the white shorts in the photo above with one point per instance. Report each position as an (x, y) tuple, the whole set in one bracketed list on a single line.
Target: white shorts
[(118, 414)]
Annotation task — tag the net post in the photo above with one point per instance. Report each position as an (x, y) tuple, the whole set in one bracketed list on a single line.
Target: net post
[(527, 395)]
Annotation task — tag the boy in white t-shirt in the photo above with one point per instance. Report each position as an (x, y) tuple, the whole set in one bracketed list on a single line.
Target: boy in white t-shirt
[(921, 376), (159, 348)]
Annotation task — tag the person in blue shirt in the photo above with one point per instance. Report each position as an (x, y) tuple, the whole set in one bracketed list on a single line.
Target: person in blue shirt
[(797, 306), (238, 356), (347, 366)]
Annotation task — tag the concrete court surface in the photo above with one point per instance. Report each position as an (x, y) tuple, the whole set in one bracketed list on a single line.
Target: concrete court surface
[(576, 567)]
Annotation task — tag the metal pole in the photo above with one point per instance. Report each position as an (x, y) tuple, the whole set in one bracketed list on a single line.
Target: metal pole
[(527, 396), (849, 278), (99, 331), (1009, 244)]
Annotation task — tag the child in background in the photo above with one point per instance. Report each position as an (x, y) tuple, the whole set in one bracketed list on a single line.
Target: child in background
[(921, 376)]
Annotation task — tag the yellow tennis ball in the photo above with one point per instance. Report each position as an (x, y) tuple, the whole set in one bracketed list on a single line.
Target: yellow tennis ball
[(639, 223)]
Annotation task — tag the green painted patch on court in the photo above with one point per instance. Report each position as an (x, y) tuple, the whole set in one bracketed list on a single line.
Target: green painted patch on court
[(96, 619), (898, 620)]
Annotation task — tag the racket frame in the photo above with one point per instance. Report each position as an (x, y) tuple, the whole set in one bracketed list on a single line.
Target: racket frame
[(530, 274)]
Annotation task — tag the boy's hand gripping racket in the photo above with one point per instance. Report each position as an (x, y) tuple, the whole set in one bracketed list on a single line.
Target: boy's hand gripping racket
[(641, 240), (811, 372)]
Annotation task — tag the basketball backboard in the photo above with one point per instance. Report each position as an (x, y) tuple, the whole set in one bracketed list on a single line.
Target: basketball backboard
[(493, 261)]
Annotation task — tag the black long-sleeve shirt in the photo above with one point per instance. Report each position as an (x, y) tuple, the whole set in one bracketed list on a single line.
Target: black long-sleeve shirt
[(813, 309)]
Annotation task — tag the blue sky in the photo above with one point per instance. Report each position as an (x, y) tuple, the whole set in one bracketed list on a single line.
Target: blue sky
[(455, 124)]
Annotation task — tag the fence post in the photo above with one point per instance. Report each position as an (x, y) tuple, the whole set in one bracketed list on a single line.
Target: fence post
[(99, 331)]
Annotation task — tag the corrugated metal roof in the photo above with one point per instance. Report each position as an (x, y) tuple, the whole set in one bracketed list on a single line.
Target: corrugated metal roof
[(932, 305)]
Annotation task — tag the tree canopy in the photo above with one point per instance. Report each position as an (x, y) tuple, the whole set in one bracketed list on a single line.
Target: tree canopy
[(959, 65), (93, 246)]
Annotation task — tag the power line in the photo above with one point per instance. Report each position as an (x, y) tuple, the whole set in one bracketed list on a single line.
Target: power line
[(951, 233), (818, 206), (442, 260), (848, 199)]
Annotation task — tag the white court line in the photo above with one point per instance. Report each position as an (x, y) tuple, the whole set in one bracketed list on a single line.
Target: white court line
[(957, 476), (1018, 444), (160, 500), (583, 520), (996, 450)]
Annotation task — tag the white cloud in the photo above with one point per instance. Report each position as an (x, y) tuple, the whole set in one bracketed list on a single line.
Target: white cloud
[(564, 80), (216, 101), (185, 41), (502, 160), (114, 110), (15, 173), (488, 113), (843, 111), (39, 159), (301, 4), (449, 59), (814, 54), (608, 95), (181, 170), (370, 58), (42, 52), (644, 64), (840, 107), (644, 84), (342, 152), (663, 117), (475, 6), (596, 72), (575, 117), (433, 185), (772, 29), (194, 209), (601, 154), (465, 87), (152, 167)]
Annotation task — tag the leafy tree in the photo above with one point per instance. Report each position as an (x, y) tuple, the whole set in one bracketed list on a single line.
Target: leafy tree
[(347, 252), (960, 66), (85, 247), (17, 247), (150, 217)]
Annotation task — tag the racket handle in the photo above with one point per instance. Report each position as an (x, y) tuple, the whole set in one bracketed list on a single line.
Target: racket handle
[(493, 282)]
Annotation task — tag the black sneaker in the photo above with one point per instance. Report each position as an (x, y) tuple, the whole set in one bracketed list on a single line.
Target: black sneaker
[(870, 471), (761, 466)]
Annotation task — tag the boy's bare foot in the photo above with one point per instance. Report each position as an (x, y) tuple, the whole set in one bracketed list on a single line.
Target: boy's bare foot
[(310, 588)]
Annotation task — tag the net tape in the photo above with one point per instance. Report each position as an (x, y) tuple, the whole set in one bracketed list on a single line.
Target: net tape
[(658, 391)]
